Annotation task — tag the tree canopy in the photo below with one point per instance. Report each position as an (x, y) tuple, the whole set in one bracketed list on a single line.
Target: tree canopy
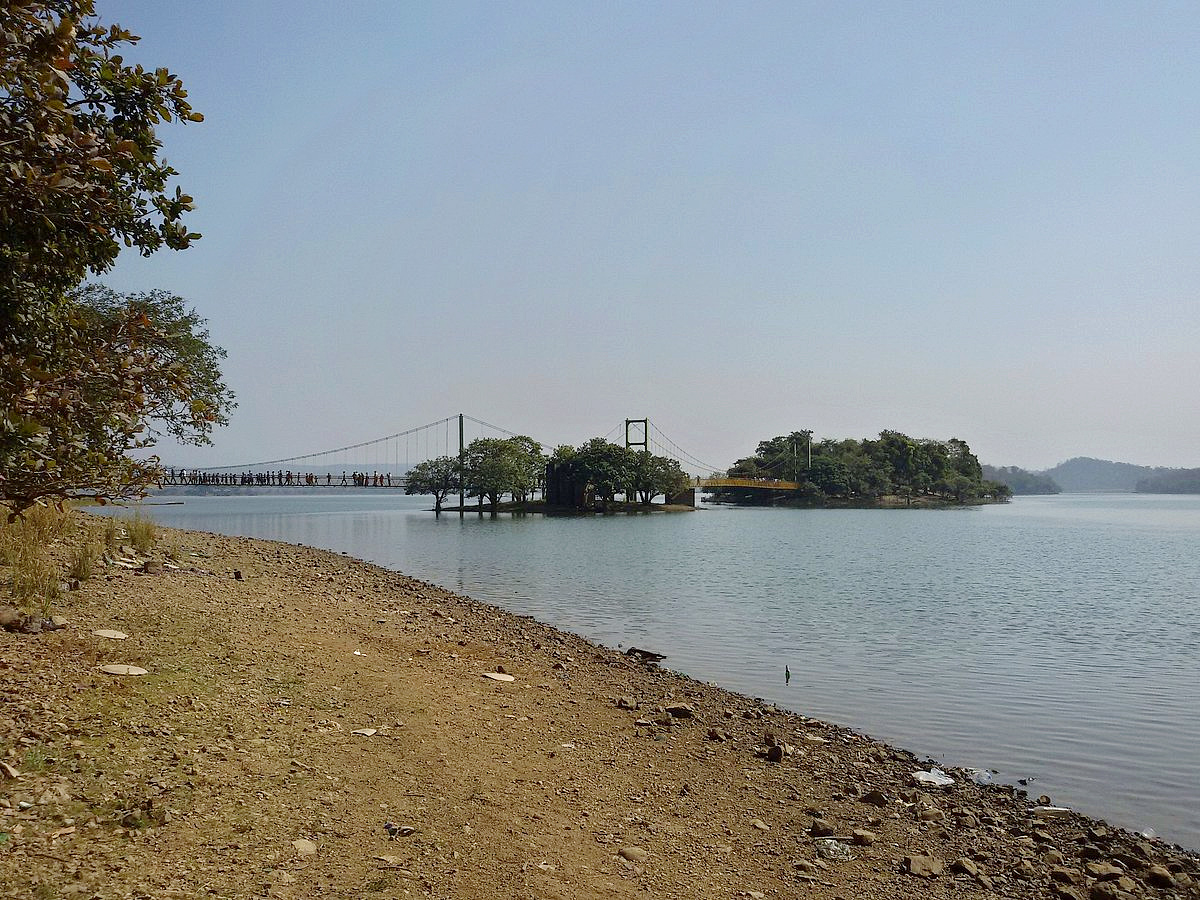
[(865, 471), (87, 375), (74, 409), (81, 172), (439, 477)]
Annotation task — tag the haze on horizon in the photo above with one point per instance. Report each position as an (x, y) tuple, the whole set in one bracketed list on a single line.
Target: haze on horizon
[(739, 220)]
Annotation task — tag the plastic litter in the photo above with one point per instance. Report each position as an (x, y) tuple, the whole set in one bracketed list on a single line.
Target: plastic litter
[(934, 776), (829, 848), (980, 776)]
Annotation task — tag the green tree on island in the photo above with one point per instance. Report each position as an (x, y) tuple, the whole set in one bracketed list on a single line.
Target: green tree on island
[(87, 375), (439, 477)]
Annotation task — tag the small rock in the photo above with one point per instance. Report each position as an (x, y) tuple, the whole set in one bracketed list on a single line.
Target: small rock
[(933, 814), (10, 618), (716, 734), (775, 753), (153, 567), (681, 711), (122, 669), (863, 837), (1104, 871), (633, 854), (1064, 875), (1107, 890), (923, 866), (626, 703), (875, 798), (762, 826), (821, 828), (110, 634), (304, 847), (964, 866), (1160, 876)]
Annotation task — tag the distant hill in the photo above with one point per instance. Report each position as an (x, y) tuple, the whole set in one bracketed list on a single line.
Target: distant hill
[(1021, 481), (1084, 473), (1171, 481)]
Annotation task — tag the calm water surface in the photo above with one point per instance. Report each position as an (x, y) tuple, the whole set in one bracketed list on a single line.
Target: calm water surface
[(1053, 638)]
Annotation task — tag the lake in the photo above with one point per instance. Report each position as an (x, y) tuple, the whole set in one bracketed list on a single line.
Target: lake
[(1052, 639)]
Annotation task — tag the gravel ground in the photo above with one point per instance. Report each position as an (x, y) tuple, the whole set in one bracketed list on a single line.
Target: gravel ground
[(315, 726)]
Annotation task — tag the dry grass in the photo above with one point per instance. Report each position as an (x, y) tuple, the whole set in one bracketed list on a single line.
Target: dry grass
[(112, 534), (25, 549), (143, 533), (82, 564)]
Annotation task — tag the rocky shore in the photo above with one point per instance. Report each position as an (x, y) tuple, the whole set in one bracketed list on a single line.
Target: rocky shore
[(314, 726)]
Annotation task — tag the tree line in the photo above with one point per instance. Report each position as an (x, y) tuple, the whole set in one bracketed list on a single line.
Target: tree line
[(865, 471), (494, 468)]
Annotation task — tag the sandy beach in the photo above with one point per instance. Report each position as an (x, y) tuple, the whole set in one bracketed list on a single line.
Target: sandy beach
[(314, 726)]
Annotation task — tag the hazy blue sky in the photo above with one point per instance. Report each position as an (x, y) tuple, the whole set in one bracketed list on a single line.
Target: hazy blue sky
[(738, 219)]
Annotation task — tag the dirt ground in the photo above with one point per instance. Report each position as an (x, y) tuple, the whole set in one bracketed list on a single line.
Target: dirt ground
[(314, 726)]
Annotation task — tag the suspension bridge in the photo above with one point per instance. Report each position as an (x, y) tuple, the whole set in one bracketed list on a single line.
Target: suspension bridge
[(384, 462)]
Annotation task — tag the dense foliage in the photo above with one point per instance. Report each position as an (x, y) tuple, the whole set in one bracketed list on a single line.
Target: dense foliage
[(438, 477), (1022, 481), (87, 375), (80, 167), (73, 409), (864, 471), (606, 469), (516, 467)]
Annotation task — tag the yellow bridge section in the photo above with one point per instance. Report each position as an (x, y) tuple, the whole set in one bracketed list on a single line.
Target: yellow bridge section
[(761, 483)]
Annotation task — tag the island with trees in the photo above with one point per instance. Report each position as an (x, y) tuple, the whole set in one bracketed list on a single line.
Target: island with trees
[(893, 470), (588, 478)]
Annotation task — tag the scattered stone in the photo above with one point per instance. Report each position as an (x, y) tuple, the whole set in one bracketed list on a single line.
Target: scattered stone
[(365, 732), (1064, 875), (821, 828), (761, 825), (1107, 890), (498, 676), (922, 865), (681, 711), (1104, 871), (1160, 876), (10, 618), (633, 854), (965, 866), (1051, 812), (863, 837), (626, 703), (932, 814), (775, 753), (716, 734), (645, 655), (304, 847), (122, 669), (152, 567), (875, 798), (109, 633)]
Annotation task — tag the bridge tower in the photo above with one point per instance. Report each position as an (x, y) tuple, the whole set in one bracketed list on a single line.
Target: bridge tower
[(635, 428)]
